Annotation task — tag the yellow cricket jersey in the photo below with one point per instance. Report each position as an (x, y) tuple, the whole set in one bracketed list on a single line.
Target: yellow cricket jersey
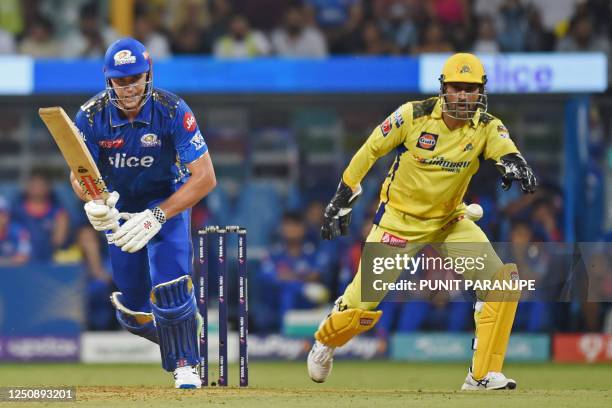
[(433, 165)]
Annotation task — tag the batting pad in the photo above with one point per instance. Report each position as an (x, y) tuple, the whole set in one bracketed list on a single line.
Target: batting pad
[(138, 323), (175, 310), (493, 326), (340, 327)]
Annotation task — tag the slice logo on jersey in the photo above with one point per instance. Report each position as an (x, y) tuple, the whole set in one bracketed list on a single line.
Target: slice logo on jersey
[(399, 120), (427, 141), (198, 140), (189, 122), (385, 127), (111, 144), (150, 140), (393, 241), (121, 160), (124, 57)]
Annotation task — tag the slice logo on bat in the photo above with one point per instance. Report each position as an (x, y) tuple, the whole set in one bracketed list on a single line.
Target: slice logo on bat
[(150, 140), (120, 160), (386, 126), (427, 141), (111, 144), (124, 57), (189, 122), (393, 241)]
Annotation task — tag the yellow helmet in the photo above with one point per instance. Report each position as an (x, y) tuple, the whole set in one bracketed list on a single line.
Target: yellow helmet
[(463, 67)]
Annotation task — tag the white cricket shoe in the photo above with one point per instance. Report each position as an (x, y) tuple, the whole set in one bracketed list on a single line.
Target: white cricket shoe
[(492, 381), (320, 361), (187, 377)]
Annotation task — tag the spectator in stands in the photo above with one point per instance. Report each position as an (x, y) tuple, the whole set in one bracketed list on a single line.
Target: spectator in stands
[(582, 37), (39, 211), (540, 39), (397, 25), (545, 222), (156, 43), (486, 41), (534, 314), (7, 42), (296, 39), (15, 244), (512, 26), (374, 43), (92, 38), (293, 267), (188, 40), (241, 41), (39, 40), (433, 39), (340, 20), (449, 12), (221, 15)]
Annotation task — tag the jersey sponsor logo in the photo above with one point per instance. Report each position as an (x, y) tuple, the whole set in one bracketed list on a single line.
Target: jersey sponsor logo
[(468, 147), (427, 141), (189, 122), (385, 127), (198, 140), (150, 140), (393, 241), (399, 120), (121, 160), (124, 57), (502, 131), (111, 144), (447, 165)]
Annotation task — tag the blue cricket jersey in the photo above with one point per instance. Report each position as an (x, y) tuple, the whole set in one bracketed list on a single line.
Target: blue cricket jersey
[(144, 161)]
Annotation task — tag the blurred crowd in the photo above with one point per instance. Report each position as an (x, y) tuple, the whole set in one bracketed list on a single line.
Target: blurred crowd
[(296, 270), (308, 28)]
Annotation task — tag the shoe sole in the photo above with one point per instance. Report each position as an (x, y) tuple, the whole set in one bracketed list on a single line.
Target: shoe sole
[(508, 386), (187, 387)]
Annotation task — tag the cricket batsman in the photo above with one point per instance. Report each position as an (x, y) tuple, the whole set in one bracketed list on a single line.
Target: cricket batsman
[(154, 160), (437, 143)]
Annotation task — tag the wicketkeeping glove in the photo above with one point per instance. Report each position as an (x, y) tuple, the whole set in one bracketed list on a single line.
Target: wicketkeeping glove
[(337, 216), (514, 167), (103, 216)]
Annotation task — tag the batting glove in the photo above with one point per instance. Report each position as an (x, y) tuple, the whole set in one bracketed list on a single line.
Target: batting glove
[(103, 216), (138, 230)]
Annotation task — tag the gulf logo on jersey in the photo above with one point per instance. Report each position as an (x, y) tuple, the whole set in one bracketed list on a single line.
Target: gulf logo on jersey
[(427, 141), (189, 122), (385, 127)]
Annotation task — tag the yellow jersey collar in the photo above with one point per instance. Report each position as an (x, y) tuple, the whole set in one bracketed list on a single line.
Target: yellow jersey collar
[(437, 113)]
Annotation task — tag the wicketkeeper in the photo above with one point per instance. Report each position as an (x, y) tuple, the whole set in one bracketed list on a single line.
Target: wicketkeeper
[(437, 143)]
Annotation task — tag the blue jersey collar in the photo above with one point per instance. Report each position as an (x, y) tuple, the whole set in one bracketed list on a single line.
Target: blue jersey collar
[(144, 116)]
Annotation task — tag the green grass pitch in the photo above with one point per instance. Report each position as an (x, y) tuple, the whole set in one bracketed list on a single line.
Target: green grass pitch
[(352, 384)]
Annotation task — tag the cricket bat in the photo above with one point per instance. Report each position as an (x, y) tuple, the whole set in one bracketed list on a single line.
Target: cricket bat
[(71, 144)]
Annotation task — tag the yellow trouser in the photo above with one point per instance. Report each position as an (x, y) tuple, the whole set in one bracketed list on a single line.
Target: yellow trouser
[(455, 229)]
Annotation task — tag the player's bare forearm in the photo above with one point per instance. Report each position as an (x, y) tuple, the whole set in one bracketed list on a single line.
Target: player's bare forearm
[(201, 182)]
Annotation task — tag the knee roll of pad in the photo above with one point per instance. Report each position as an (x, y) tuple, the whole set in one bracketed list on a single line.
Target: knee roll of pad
[(174, 307), (139, 323)]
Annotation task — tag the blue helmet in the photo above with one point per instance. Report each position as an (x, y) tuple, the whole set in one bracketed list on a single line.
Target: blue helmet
[(126, 57)]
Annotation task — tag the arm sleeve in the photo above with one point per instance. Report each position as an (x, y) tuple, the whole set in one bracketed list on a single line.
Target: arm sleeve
[(498, 141), (87, 134), (385, 137), (188, 139)]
